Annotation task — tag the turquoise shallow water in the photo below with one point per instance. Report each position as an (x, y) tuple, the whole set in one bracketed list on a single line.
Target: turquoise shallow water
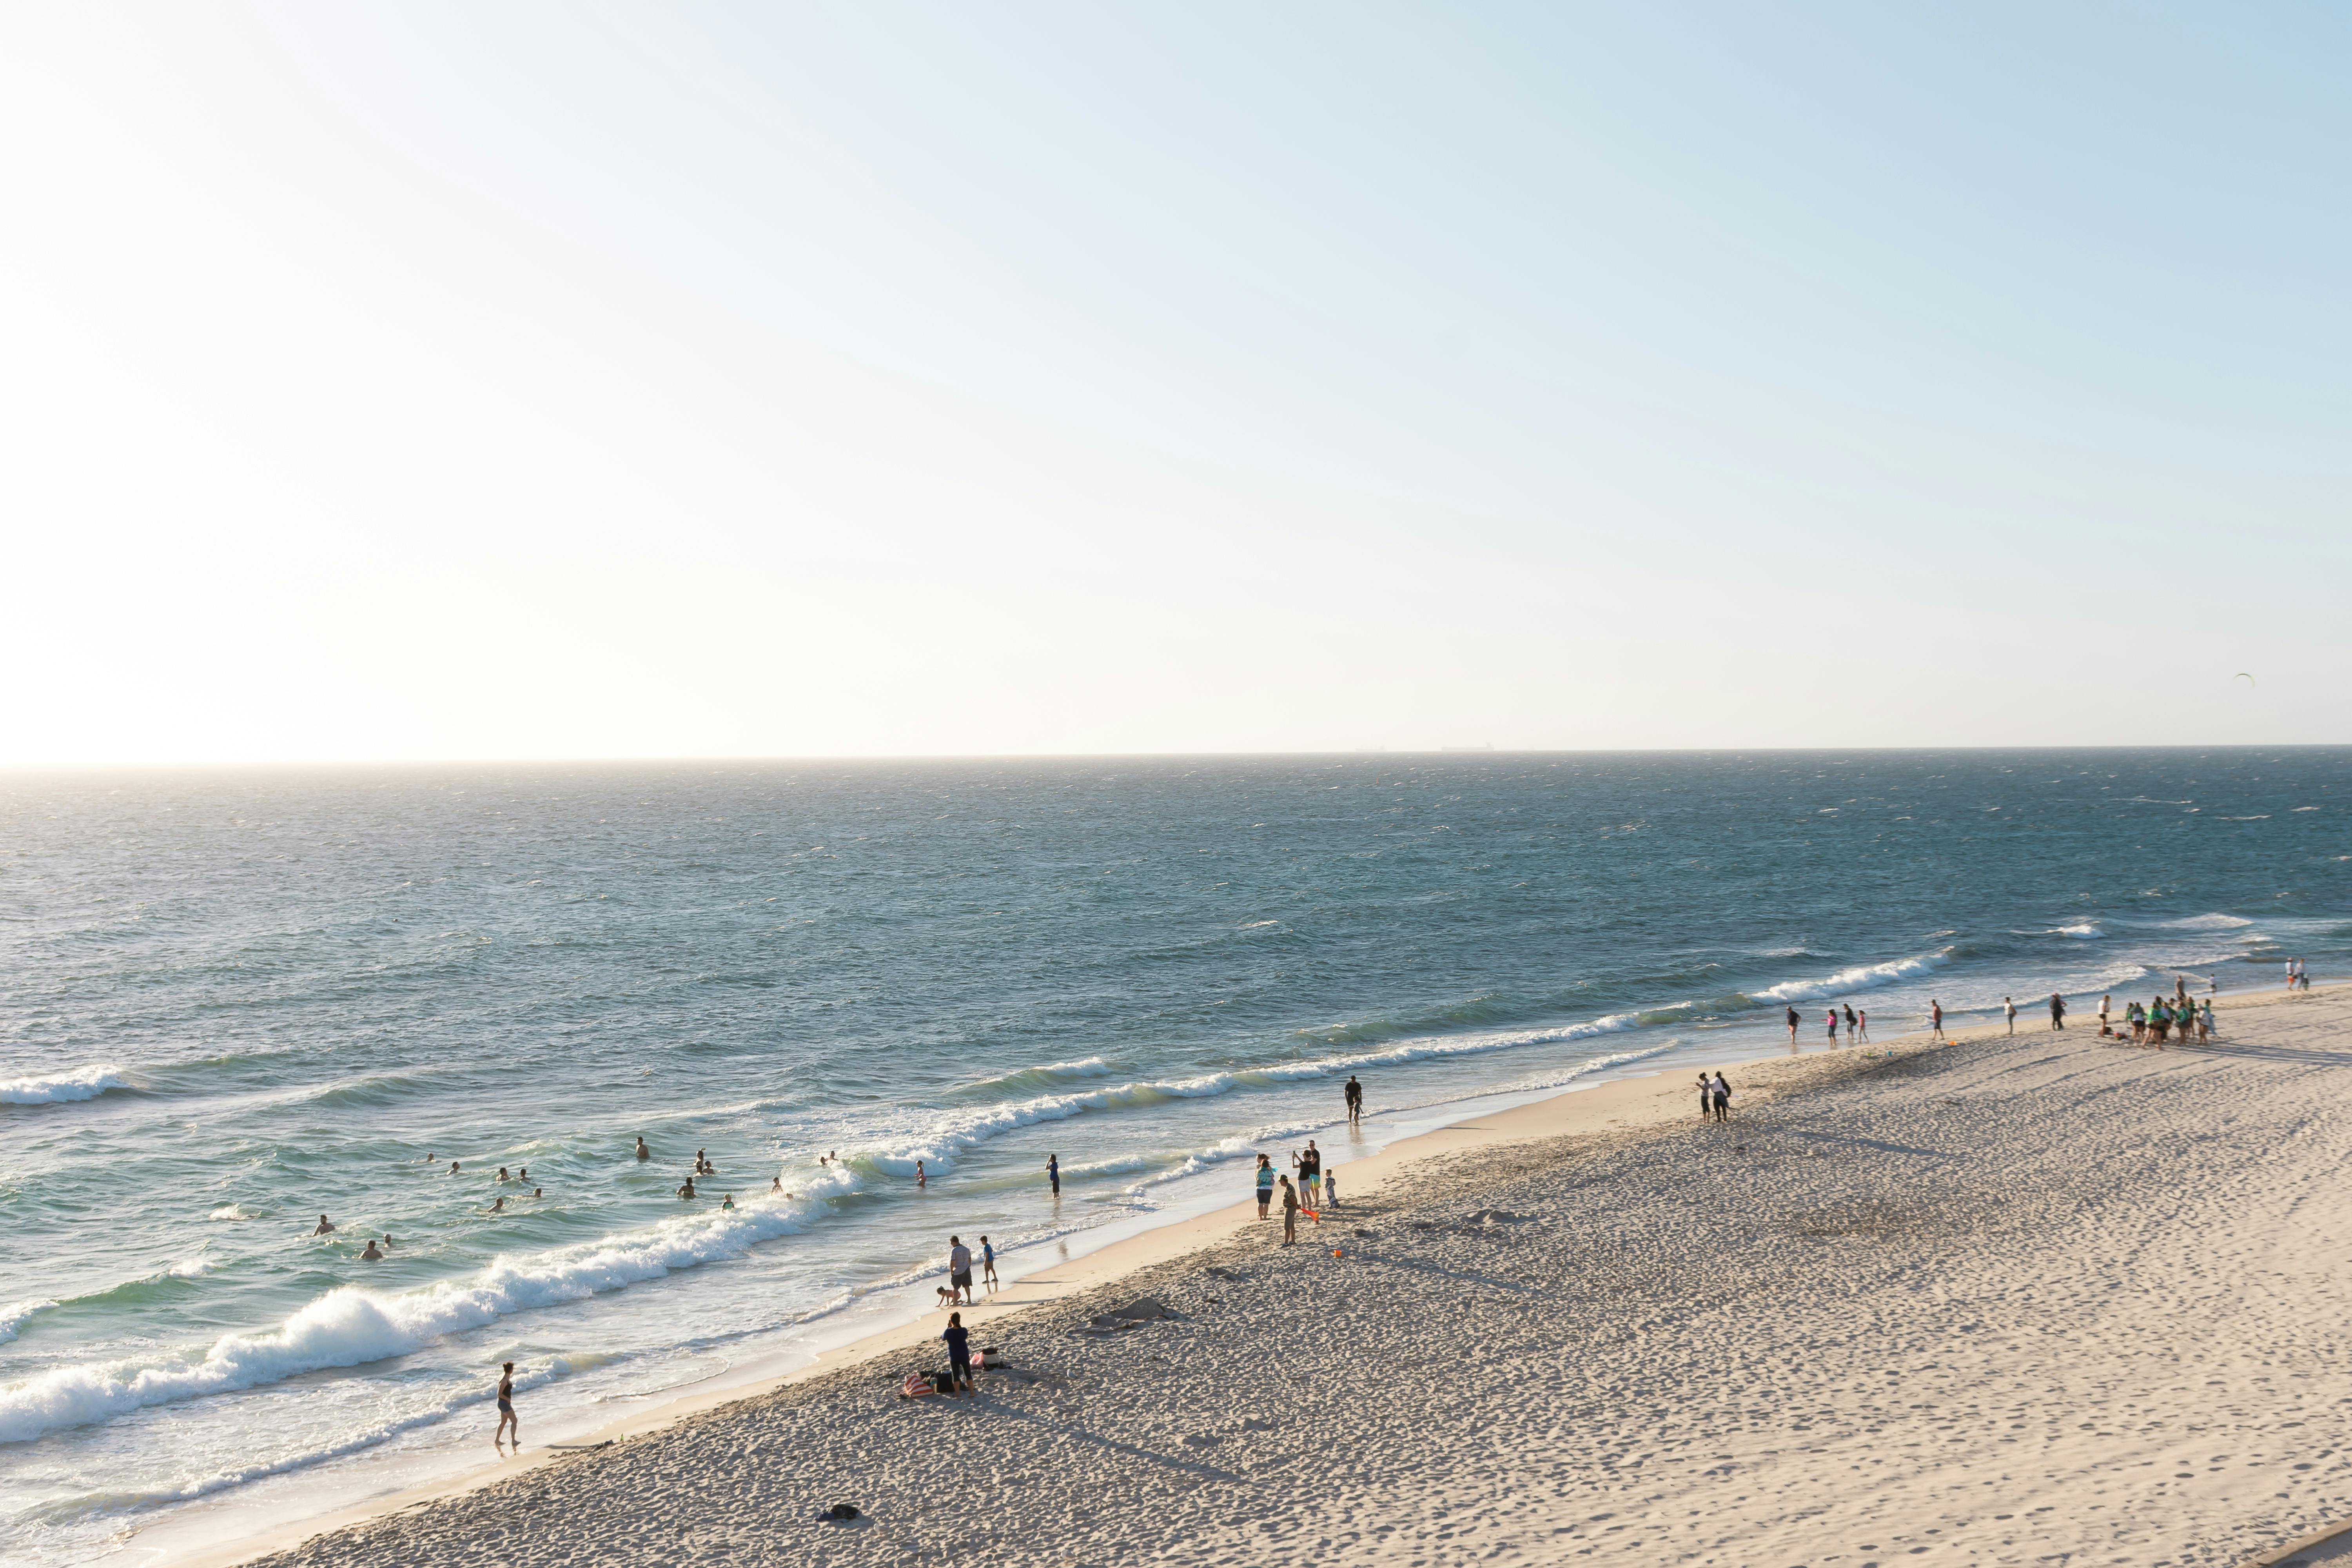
[(234, 1002)]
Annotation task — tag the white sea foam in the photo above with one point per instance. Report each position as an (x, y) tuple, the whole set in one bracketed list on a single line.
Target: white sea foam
[(11, 1317), (1865, 977), (352, 1325), (529, 1378), (229, 1212), (82, 1083), (2087, 930), (2205, 922), (938, 1146)]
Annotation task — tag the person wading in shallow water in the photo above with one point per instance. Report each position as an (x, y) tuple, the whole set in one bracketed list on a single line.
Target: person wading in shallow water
[(1793, 1021), (1354, 1096)]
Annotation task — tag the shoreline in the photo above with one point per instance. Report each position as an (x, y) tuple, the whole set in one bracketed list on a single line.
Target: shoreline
[(1636, 1105)]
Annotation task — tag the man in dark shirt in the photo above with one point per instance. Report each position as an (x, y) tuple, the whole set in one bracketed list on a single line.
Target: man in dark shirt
[(1354, 1095)]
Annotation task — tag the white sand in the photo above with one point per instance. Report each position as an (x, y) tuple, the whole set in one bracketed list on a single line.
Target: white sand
[(2032, 1301)]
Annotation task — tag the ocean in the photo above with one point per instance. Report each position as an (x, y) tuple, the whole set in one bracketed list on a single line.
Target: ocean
[(236, 1001)]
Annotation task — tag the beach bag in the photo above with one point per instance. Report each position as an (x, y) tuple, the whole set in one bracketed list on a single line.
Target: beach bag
[(917, 1387), (943, 1383)]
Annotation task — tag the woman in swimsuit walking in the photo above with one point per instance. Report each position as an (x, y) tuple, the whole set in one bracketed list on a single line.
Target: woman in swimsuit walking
[(506, 1410)]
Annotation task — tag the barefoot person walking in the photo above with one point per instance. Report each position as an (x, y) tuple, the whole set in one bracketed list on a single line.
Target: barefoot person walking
[(507, 1417)]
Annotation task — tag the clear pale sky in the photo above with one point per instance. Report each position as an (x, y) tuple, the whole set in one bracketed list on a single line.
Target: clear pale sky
[(416, 381)]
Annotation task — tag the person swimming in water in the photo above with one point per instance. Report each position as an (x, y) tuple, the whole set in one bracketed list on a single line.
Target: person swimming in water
[(374, 1253), (776, 1186), (687, 1190), (522, 1173), (325, 1224), (498, 1206), (537, 1194), (728, 1202), (502, 1174), (453, 1167), (643, 1152)]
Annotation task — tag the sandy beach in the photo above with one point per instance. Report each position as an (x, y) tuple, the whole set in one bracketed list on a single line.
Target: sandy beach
[(2029, 1299)]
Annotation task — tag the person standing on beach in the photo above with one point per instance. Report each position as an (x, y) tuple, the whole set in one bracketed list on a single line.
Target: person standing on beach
[(1354, 1095), (1934, 1018), (1832, 1029), (1331, 1188), (987, 1264), (1265, 1183), (1722, 1097), (2009, 1008), (1862, 1026), (507, 1416), (1289, 1212), (2057, 1011), (2105, 1003), (958, 1343), (1849, 1024), (1054, 1173), (1793, 1022), (960, 1267)]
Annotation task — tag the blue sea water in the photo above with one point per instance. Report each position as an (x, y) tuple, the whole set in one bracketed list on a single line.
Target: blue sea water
[(234, 1002)]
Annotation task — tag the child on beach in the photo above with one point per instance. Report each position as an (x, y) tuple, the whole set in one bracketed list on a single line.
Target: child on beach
[(987, 1264), (1289, 1212), (1331, 1188), (1265, 1183)]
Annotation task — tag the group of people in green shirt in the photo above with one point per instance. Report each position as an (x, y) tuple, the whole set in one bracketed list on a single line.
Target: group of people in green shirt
[(2173, 1018)]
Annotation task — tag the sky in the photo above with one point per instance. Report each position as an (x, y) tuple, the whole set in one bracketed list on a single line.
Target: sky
[(420, 382)]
